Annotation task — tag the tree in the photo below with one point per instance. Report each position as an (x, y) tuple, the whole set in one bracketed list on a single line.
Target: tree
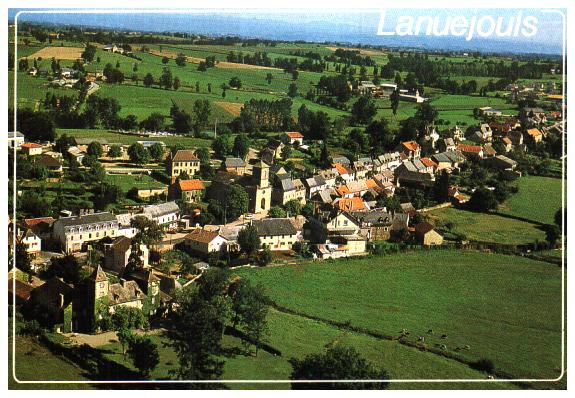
[(89, 53), (381, 138), (181, 60), (154, 122), (250, 309), (552, 233), (165, 60), (144, 354), (36, 126), (222, 146), (115, 151), (125, 337), (181, 120), (68, 268), (394, 98), (293, 207), (177, 83), (249, 240), (292, 90), (236, 202), (337, 363), (269, 78), (23, 260), (149, 232), (426, 113), (482, 200), (166, 80), (276, 212), (138, 154), (235, 82), (195, 335), (95, 149), (202, 110), (156, 151), (363, 110), (265, 256), (148, 80), (241, 146)]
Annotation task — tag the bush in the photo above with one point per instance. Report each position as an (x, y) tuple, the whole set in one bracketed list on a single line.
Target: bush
[(484, 365)]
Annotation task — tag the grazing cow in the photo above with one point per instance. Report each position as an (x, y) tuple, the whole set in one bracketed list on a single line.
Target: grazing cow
[(421, 338), (443, 336), (430, 331), (443, 347)]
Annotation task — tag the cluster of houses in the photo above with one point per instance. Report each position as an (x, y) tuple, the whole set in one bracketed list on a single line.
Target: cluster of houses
[(345, 217), (384, 90)]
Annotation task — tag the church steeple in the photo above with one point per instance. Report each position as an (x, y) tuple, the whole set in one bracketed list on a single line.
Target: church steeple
[(261, 174)]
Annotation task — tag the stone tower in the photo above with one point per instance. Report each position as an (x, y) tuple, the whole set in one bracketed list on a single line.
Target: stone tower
[(261, 195)]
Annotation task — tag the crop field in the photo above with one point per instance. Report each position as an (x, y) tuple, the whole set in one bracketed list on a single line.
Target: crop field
[(538, 199), (232, 108), (488, 227), (72, 53), (497, 305)]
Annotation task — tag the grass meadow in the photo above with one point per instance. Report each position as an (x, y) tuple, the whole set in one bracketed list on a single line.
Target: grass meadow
[(506, 308)]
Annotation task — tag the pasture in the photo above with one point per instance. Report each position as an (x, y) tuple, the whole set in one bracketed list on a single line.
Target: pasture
[(538, 199), (297, 336), (507, 309), (485, 227)]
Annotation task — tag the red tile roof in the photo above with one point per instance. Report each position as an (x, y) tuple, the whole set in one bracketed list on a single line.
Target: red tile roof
[(428, 162), (191, 185), (534, 132), (31, 145), (371, 183), (411, 145), (35, 221), (294, 134), (469, 148), (340, 169), (355, 203)]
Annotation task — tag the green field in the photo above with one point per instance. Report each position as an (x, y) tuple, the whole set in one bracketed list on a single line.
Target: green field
[(117, 138), (125, 182), (538, 199), (297, 336), (505, 308), (488, 227), (35, 362)]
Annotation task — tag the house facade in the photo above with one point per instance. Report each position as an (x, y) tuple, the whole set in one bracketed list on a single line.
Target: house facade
[(74, 232), (184, 161)]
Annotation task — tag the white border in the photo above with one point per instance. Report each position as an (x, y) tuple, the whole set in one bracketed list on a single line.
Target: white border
[(236, 10)]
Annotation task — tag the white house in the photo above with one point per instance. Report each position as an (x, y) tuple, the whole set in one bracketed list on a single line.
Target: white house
[(73, 232), (164, 214)]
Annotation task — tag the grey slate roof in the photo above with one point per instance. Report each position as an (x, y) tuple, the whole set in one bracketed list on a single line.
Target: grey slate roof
[(341, 159), (315, 181), (161, 209), (274, 227), (234, 162), (88, 219)]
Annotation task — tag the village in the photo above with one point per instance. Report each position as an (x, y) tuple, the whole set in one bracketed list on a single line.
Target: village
[(193, 207), (340, 211)]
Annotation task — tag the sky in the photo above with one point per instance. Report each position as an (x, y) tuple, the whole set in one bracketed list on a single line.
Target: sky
[(349, 26)]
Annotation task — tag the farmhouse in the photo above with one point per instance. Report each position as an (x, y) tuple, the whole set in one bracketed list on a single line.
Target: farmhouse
[(117, 254), (276, 233), (410, 149), (287, 189), (187, 190), (426, 234), (164, 214), (31, 149), (535, 135), (474, 151), (292, 137), (184, 161), (205, 242), (234, 165)]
